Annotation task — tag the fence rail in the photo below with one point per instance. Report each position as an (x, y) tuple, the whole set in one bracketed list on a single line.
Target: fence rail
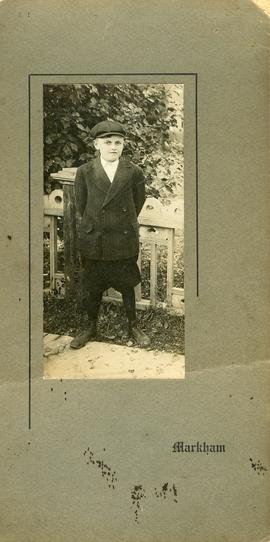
[(158, 227)]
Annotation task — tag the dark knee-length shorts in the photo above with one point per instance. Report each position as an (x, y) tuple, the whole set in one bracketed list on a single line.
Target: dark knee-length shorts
[(100, 275)]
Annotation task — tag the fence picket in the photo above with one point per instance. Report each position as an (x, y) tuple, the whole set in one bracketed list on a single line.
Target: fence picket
[(153, 274), (53, 250), (138, 288), (170, 267), (157, 227)]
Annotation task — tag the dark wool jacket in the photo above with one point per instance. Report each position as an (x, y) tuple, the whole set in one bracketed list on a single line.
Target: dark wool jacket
[(108, 228)]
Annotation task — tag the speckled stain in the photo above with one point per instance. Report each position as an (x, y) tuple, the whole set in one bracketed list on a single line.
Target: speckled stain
[(166, 490), (257, 466), (138, 494), (107, 473)]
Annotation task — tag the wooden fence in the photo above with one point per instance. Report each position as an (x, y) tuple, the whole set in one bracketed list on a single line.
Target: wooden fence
[(158, 228)]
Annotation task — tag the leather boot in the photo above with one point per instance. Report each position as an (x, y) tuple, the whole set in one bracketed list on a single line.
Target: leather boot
[(138, 335), (80, 340)]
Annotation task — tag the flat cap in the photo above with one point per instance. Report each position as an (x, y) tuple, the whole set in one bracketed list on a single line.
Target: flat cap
[(107, 128)]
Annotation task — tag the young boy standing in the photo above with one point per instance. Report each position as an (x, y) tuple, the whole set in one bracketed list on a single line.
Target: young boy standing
[(109, 195)]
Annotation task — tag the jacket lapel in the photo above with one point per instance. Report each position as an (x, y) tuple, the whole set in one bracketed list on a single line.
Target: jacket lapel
[(120, 179), (100, 178)]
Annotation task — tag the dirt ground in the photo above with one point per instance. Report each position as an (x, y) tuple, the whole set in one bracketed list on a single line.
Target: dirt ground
[(98, 360)]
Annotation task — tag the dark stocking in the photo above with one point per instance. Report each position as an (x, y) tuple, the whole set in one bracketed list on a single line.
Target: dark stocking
[(92, 304), (129, 304)]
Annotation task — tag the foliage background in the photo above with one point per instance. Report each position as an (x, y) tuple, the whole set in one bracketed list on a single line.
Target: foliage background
[(152, 114)]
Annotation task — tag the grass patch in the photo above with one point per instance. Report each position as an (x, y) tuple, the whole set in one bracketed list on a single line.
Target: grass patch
[(64, 317)]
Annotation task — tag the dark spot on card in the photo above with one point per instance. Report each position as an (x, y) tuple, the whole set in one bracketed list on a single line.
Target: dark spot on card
[(104, 469), (9, 237), (163, 493), (51, 389), (251, 398), (257, 466), (137, 495)]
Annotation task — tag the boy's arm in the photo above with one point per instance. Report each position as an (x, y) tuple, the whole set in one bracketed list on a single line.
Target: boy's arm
[(139, 191), (80, 192)]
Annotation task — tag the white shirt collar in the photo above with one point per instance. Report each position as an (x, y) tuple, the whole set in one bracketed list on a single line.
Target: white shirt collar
[(109, 165), (110, 168)]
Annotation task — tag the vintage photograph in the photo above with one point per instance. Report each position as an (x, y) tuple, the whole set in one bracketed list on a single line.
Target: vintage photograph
[(113, 242)]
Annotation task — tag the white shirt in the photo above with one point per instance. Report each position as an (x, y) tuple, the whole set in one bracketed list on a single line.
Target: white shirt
[(110, 168)]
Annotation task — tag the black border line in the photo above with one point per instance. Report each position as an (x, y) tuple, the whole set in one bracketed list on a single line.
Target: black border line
[(197, 183), (110, 74), (193, 74), (29, 255)]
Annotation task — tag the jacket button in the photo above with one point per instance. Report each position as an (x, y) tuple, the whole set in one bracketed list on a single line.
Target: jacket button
[(124, 210), (103, 211), (104, 230), (125, 232)]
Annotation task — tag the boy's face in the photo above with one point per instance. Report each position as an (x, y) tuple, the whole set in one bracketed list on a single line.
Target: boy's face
[(110, 147)]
